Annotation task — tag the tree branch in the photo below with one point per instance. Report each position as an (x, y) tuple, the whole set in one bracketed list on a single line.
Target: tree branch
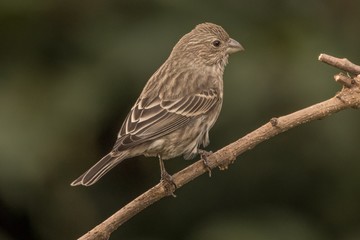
[(341, 63), (348, 97)]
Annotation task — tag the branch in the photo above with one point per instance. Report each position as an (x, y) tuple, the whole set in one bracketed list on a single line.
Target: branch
[(348, 97), (341, 63)]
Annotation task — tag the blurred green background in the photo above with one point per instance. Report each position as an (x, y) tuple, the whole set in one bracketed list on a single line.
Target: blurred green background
[(71, 70)]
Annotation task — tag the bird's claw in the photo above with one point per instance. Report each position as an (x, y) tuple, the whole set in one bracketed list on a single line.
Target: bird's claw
[(169, 184), (204, 156)]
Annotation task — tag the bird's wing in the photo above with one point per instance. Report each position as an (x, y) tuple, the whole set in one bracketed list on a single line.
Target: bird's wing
[(152, 118)]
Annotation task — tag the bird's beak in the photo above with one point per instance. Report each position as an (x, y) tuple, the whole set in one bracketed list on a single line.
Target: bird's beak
[(234, 46)]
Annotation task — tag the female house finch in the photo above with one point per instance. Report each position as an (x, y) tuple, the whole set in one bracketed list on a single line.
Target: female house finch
[(178, 105)]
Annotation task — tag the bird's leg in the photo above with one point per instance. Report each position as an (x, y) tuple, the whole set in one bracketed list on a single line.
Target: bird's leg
[(166, 177), (204, 155)]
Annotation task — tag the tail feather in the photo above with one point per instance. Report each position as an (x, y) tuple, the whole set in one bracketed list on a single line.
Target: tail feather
[(105, 164)]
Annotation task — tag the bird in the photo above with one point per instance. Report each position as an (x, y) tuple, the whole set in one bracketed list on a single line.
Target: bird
[(177, 107)]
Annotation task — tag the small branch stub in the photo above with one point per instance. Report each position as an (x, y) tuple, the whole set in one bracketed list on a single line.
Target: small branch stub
[(274, 121), (344, 80)]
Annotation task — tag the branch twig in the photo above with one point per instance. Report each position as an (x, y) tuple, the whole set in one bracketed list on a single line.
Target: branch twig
[(341, 63), (349, 97)]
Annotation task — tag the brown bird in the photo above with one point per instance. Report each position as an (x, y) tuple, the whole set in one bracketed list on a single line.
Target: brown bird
[(178, 105)]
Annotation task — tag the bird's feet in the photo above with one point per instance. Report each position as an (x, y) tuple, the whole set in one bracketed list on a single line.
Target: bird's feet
[(204, 156), (169, 184)]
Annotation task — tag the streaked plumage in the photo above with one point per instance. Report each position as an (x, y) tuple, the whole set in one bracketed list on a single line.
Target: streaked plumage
[(178, 105)]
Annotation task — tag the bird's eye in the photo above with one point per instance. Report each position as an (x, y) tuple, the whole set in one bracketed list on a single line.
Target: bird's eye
[(216, 43)]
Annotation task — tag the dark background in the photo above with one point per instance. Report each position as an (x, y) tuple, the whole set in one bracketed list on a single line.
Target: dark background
[(71, 70)]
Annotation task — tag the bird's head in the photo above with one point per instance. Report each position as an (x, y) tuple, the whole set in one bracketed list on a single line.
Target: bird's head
[(207, 44)]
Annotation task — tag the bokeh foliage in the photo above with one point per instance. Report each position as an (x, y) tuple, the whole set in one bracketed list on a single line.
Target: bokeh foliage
[(70, 71)]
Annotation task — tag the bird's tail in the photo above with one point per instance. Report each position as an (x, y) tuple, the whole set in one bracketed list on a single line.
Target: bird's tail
[(105, 164)]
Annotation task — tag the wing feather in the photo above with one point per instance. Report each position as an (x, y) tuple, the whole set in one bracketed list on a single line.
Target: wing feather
[(153, 118)]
